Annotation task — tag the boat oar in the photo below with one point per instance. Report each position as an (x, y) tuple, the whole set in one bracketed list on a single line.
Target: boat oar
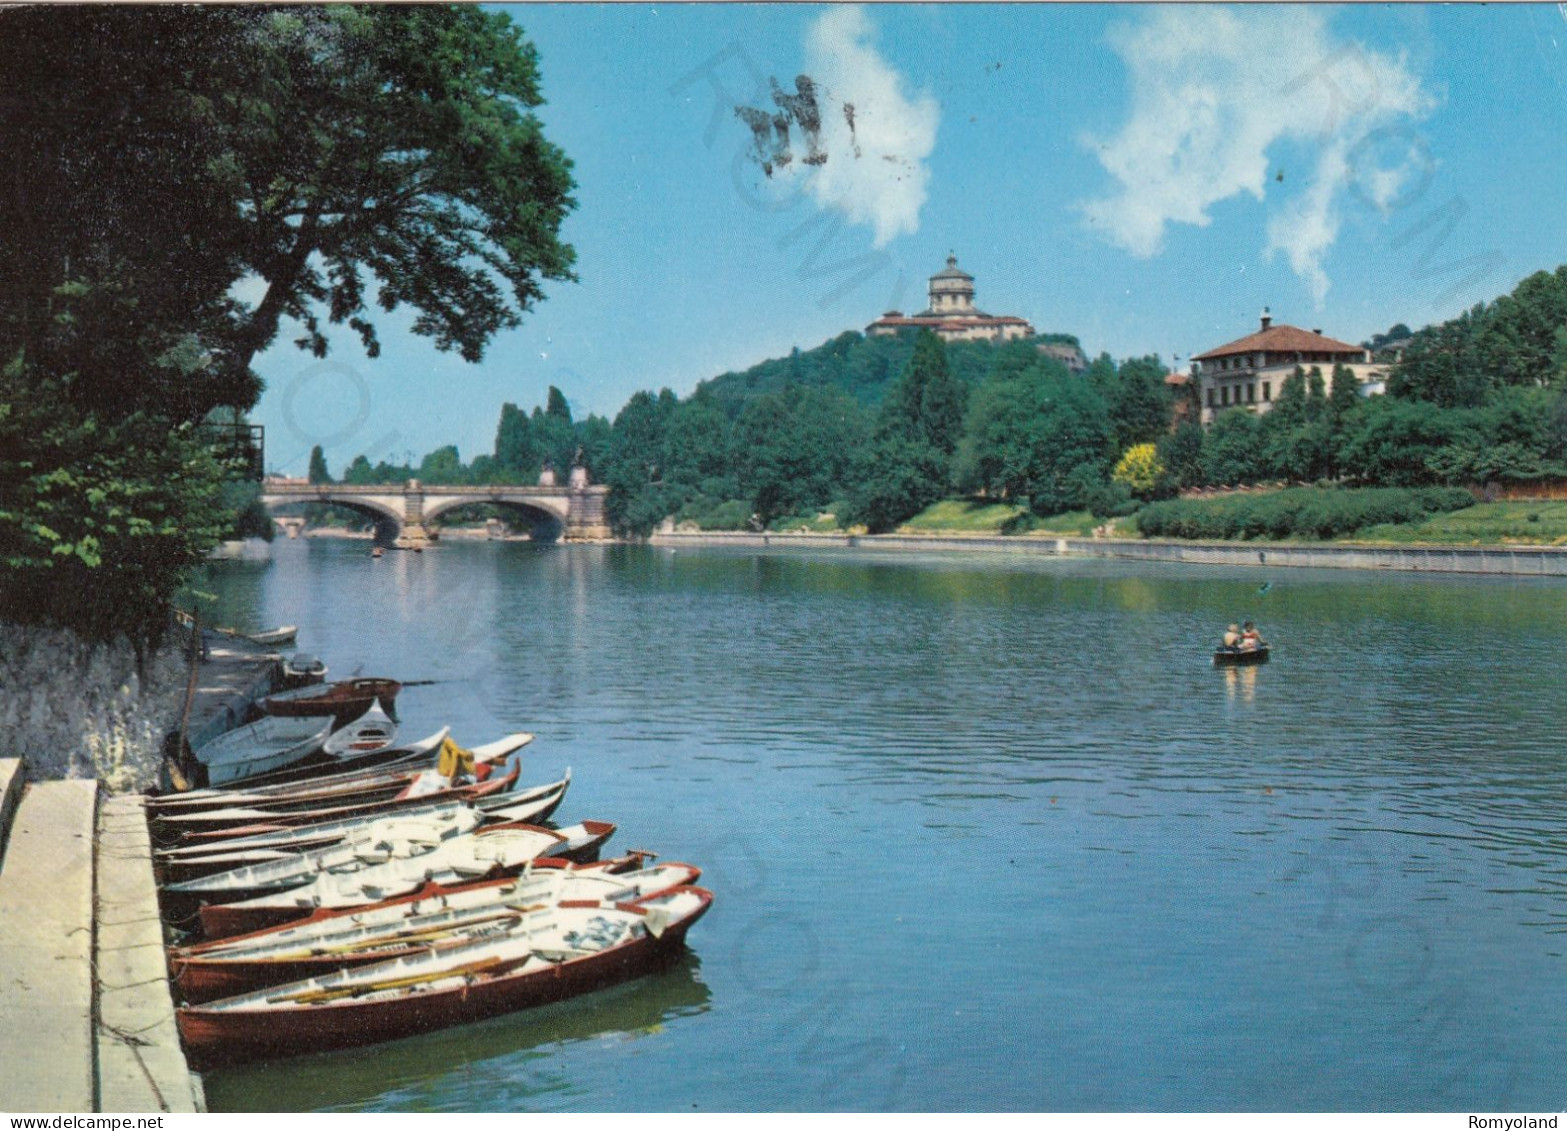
[(337, 993), (403, 938)]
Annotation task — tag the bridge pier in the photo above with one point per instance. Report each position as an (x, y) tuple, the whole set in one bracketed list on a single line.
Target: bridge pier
[(585, 520), (414, 536)]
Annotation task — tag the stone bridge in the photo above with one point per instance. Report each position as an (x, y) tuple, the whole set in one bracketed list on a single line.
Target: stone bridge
[(405, 511)]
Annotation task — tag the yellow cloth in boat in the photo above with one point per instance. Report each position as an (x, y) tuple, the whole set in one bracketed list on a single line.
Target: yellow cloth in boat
[(455, 761)]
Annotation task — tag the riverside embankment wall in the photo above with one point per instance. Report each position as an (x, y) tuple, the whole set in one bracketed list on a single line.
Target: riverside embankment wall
[(1536, 561), (74, 709)]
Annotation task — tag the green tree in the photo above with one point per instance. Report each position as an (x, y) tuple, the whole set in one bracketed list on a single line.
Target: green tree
[(1231, 451), (795, 450), (633, 463), (1139, 401), (322, 152), (397, 143), (1042, 434), (1391, 442), (359, 473), (926, 402), (318, 470), (516, 450), (898, 479), (699, 449), (1181, 454), (444, 465)]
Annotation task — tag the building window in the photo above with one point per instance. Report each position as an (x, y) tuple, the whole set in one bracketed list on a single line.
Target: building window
[(1224, 396), (1251, 393), (1267, 390), (1210, 397)]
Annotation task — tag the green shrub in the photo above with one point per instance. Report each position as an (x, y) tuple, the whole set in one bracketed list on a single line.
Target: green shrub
[(1299, 512), (713, 514)]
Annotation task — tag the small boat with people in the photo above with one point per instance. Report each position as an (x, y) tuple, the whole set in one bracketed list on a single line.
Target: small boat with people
[(538, 957), (1223, 657), (1241, 645)]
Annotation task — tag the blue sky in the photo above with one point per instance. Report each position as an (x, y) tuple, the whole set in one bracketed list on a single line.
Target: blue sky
[(1145, 177)]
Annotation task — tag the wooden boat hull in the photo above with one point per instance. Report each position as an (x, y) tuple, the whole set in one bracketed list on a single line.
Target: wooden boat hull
[(219, 826), (269, 638), (1225, 657), (259, 748), (315, 773), (345, 700), (215, 1036), (204, 973), (241, 914)]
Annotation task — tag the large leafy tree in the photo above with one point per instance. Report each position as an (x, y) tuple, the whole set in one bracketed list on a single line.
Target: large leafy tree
[(1041, 433), (157, 157), (1136, 397), (395, 142)]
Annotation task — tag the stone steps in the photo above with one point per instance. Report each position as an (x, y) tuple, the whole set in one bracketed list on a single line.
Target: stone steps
[(76, 891)]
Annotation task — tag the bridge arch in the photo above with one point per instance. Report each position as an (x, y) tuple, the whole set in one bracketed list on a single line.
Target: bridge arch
[(552, 514), (388, 518)]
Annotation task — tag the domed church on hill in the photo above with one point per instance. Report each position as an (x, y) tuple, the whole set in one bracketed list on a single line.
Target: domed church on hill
[(952, 315)]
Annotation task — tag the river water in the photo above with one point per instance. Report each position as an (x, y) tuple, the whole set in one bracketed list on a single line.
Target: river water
[(990, 832)]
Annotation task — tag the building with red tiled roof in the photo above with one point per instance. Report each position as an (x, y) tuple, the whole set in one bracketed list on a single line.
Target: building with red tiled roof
[(952, 316), (1249, 372)]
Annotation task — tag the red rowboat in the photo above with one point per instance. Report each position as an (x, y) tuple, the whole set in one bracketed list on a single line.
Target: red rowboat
[(337, 940), (345, 700), (572, 949)]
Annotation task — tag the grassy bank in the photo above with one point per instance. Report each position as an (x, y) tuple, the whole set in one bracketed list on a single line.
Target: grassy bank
[(1529, 522), (1295, 515)]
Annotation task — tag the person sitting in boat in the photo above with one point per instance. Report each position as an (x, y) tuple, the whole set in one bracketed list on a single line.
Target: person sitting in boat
[(1251, 639), (1232, 637)]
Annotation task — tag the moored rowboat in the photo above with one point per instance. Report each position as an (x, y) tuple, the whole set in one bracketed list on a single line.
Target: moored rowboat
[(534, 804), (546, 956), (211, 825), (344, 700), (434, 915), (268, 744), (374, 730), (497, 850)]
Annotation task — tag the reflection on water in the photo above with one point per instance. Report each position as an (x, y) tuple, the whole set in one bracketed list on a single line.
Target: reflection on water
[(1241, 682), (990, 832)]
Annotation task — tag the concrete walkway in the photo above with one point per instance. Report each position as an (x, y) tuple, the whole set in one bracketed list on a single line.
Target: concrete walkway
[(46, 938), (86, 1018), (141, 1066)]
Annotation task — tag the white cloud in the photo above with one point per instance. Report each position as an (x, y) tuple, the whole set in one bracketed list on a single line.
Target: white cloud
[(1213, 90), (875, 172)]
